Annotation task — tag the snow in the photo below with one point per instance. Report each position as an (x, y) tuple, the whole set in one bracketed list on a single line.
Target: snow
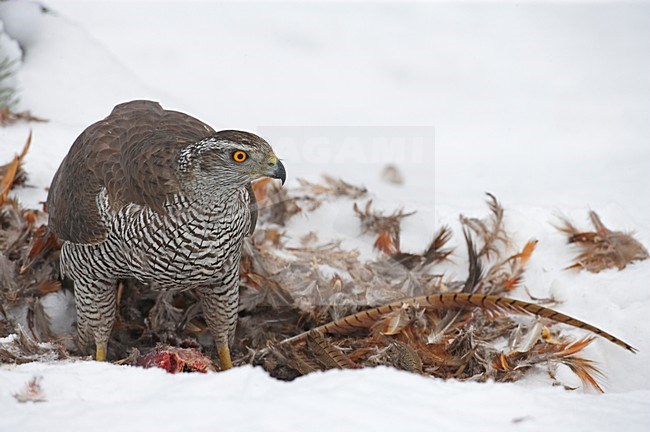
[(544, 105), (81, 395)]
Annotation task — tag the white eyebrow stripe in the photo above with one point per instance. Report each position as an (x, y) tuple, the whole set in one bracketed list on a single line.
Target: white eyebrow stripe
[(211, 144)]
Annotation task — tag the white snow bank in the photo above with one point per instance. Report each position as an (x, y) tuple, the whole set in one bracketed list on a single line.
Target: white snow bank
[(102, 397)]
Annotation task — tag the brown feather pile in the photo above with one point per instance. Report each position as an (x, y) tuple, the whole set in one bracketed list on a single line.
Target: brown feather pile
[(603, 248), (29, 266), (318, 306)]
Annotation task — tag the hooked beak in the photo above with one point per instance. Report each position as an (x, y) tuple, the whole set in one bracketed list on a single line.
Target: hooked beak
[(277, 171)]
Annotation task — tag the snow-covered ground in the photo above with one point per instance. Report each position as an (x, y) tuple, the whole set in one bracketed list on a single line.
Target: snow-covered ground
[(547, 106)]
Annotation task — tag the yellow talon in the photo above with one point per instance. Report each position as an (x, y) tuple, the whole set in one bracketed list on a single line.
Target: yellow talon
[(224, 357), (100, 354)]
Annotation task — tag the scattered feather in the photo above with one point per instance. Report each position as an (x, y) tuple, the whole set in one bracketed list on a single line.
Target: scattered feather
[(335, 188), (387, 228), (603, 248), (490, 231), (32, 391), (12, 173), (391, 174), (9, 117), (329, 355), (403, 356)]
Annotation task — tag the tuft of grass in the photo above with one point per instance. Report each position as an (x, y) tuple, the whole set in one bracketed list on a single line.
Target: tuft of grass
[(8, 97)]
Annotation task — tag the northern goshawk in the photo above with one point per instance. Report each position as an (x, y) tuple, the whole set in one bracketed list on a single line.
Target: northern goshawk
[(159, 196)]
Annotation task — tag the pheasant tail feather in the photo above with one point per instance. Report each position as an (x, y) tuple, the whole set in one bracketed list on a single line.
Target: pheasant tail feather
[(365, 319)]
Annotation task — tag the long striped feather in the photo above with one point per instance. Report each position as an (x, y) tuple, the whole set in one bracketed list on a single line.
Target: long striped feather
[(366, 318)]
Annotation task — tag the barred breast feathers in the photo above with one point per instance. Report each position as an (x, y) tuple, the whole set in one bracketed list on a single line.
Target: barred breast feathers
[(190, 241)]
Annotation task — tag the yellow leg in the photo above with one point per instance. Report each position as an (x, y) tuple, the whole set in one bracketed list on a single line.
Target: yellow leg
[(100, 354), (224, 357)]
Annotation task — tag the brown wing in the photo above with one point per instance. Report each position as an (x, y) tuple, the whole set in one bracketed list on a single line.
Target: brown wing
[(132, 153)]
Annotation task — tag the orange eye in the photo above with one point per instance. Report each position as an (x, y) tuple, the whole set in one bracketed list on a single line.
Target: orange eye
[(239, 156)]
